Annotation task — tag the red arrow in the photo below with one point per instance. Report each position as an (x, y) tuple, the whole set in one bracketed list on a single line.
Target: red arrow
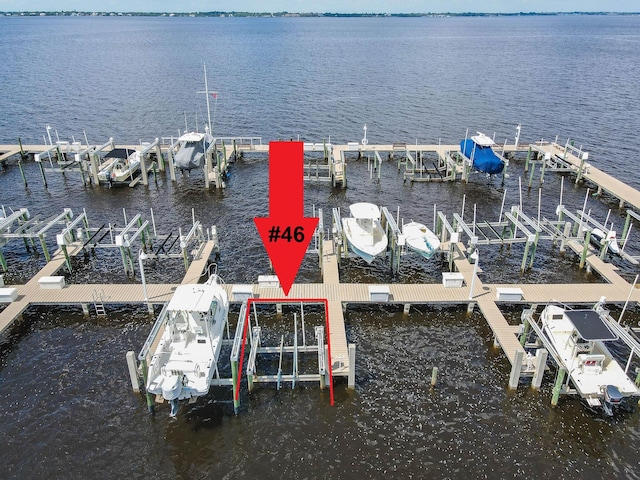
[(286, 233)]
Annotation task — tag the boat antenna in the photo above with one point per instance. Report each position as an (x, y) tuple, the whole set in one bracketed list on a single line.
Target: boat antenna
[(214, 95), (206, 92), (628, 297)]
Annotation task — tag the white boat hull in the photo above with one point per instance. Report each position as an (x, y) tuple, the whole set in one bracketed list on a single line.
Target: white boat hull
[(420, 239), (118, 170), (366, 239), (598, 236)]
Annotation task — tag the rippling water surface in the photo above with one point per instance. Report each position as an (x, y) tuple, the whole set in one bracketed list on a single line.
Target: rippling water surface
[(68, 405)]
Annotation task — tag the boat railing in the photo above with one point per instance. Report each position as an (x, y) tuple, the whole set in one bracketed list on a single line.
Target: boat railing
[(239, 141), (162, 319)]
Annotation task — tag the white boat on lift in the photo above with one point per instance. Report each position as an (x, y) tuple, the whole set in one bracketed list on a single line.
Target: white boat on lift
[(185, 360), (598, 237), (363, 231), (420, 239), (119, 166), (578, 338)]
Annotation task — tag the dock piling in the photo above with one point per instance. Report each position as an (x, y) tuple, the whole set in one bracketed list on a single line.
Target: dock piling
[(540, 363), (351, 382), (557, 388), (516, 368), (133, 371)]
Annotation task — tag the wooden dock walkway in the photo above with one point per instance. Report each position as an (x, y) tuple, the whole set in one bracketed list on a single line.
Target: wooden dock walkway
[(340, 294), (32, 293), (603, 181)]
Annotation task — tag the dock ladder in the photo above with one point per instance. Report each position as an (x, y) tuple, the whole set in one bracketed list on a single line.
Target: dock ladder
[(98, 302)]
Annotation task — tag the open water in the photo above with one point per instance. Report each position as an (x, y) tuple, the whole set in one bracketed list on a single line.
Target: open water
[(67, 407)]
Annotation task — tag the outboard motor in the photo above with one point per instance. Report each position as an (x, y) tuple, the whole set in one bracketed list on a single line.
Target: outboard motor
[(171, 389), (612, 398), (175, 405), (612, 395)]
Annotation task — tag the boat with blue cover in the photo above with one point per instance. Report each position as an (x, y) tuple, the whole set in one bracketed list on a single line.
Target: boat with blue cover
[(479, 150)]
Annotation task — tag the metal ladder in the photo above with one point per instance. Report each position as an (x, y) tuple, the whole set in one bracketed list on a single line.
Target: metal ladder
[(98, 303)]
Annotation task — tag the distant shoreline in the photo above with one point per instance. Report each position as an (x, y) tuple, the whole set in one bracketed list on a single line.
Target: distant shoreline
[(74, 13)]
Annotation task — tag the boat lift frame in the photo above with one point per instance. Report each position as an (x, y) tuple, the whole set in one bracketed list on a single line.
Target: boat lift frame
[(445, 164), (505, 232), (29, 228), (323, 351), (191, 244)]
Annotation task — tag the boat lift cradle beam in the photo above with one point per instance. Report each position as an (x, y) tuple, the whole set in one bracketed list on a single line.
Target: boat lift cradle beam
[(32, 228), (94, 159), (5, 224), (155, 145), (395, 238)]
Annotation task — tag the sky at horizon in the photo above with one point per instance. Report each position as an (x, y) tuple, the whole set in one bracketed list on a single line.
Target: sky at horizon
[(336, 6)]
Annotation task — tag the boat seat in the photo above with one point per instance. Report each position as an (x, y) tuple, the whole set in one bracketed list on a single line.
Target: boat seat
[(182, 367), (591, 363), (181, 322)]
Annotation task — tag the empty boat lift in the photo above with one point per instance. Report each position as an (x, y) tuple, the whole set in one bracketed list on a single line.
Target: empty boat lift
[(320, 350), (20, 224), (190, 244), (63, 164), (493, 233)]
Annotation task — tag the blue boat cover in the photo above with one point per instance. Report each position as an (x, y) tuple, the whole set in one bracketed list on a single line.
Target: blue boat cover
[(484, 158)]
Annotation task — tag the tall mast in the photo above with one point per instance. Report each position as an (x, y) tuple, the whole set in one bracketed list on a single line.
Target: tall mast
[(206, 91)]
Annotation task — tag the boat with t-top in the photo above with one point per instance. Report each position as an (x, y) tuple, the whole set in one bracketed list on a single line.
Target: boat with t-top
[(364, 232), (479, 150), (119, 166), (186, 357), (578, 341)]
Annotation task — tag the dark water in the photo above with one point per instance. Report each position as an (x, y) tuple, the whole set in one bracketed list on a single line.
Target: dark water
[(68, 406)]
